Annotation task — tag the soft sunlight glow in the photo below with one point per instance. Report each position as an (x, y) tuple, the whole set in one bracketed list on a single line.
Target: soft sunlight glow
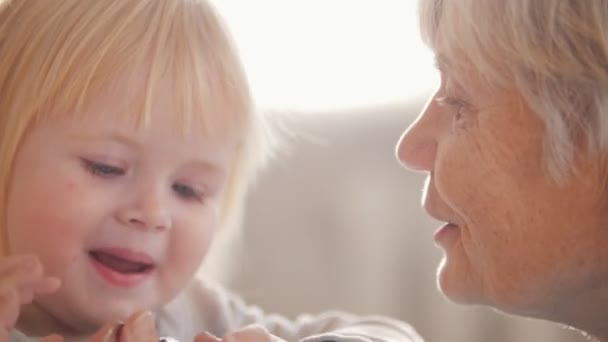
[(320, 54)]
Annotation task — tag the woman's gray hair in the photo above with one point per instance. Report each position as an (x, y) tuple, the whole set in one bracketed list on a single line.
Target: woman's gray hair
[(554, 52)]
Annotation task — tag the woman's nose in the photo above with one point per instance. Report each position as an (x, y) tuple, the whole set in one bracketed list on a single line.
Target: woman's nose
[(147, 210), (417, 147)]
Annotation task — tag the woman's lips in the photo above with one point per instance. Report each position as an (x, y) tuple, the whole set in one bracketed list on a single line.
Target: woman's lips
[(446, 235)]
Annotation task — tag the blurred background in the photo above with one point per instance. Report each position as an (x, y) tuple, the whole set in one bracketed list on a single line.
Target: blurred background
[(334, 222)]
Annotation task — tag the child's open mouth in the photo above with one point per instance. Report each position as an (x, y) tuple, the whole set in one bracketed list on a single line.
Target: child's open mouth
[(121, 267)]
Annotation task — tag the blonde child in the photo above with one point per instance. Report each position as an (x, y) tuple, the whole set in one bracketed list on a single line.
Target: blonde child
[(127, 137)]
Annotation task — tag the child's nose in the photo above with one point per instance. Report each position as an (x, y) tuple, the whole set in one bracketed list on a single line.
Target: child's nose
[(147, 212)]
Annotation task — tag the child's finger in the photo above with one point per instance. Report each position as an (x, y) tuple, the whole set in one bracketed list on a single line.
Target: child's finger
[(30, 287), (16, 263), (250, 333), (139, 327), (19, 275), (3, 334), (47, 285), (53, 338), (206, 337), (25, 273), (9, 307), (107, 333)]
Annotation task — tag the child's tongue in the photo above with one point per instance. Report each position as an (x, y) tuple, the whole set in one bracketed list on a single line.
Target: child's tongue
[(119, 264)]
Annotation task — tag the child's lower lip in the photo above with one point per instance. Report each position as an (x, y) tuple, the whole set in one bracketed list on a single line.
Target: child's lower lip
[(119, 279)]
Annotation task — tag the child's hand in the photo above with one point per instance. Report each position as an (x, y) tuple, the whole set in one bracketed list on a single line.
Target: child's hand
[(138, 328), (21, 278), (206, 337), (250, 333), (50, 338)]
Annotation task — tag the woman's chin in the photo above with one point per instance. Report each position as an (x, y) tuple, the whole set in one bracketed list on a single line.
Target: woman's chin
[(460, 285), (457, 284)]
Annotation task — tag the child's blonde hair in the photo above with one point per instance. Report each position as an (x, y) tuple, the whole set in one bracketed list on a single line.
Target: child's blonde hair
[(55, 55)]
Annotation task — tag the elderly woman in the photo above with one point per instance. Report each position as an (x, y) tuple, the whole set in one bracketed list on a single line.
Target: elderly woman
[(515, 145)]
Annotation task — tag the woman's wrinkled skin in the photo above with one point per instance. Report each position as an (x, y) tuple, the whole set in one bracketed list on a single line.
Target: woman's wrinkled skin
[(512, 227)]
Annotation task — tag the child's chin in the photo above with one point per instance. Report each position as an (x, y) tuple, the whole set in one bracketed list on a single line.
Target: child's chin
[(112, 313)]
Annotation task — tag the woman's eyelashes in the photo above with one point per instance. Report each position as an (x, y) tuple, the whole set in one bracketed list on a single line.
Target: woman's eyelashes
[(102, 170), (457, 105), (462, 112), (448, 97)]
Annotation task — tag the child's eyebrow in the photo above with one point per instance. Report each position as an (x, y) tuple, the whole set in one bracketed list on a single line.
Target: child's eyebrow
[(207, 168), (114, 136)]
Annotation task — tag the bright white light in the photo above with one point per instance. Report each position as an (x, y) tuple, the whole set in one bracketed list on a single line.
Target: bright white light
[(320, 54)]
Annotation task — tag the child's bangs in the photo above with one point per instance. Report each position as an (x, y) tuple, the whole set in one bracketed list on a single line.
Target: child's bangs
[(172, 46), (209, 86)]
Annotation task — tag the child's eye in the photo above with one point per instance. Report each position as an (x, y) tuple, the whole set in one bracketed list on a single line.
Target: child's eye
[(101, 169), (187, 192)]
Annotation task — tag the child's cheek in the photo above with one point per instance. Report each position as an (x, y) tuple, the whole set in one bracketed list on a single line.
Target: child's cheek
[(49, 232), (52, 224), (189, 244)]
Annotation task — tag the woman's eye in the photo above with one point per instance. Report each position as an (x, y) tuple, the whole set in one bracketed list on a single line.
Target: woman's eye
[(463, 112), (186, 192), (458, 105), (101, 169)]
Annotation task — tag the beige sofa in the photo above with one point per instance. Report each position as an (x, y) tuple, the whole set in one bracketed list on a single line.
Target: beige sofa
[(334, 222)]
